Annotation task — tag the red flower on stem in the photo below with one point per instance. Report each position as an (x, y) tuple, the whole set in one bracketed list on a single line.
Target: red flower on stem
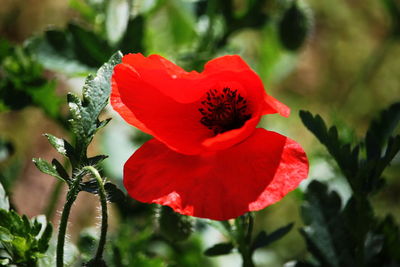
[(207, 158)]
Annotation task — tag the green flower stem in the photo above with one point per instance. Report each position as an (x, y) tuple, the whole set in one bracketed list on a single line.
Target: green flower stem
[(244, 239), (247, 259), (71, 197), (104, 214)]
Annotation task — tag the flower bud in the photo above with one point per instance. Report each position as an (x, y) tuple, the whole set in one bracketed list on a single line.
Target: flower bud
[(295, 25)]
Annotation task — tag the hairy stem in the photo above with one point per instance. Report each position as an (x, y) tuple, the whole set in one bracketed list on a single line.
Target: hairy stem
[(104, 214), (71, 197)]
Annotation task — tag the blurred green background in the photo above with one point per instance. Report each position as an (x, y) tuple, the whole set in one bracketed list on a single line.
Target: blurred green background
[(347, 69)]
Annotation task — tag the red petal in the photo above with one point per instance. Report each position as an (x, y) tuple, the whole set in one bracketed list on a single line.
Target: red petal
[(176, 124), (123, 110), (164, 75), (162, 99), (235, 63), (226, 63), (220, 185), (271, 106)]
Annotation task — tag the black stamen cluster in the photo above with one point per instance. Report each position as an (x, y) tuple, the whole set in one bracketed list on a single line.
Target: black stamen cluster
[(224, 110)]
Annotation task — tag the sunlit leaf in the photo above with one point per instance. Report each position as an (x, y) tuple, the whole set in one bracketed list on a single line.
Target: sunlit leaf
[(47, 168)]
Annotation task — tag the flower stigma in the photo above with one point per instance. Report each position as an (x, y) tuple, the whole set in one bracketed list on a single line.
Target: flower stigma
[(224, 110)]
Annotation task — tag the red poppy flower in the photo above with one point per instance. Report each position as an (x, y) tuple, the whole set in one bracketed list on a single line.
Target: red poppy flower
[(207, 158)]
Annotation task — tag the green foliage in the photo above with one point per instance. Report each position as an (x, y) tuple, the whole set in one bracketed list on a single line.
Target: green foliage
[(22, 241), (130, 245), (393, 8), (84, 123), (87, 243), (240, 238), (325, 233), (49, 169), (263, 239), (337, 233), (22, 82), (363, 173), (352, 235), (84, 113), (345, 156), (219, 249), (80, 50), (173, 226), (380, 131)]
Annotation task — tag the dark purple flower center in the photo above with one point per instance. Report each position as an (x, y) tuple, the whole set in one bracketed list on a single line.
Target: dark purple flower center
[(223, 110)]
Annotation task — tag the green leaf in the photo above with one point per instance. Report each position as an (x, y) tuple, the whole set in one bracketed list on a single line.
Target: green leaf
[(102, 124), (86, 244), (182, 24), (74, 50), (44, 97), (4, 262), (85, 113), (48, 168), (4, 204), (23, 83), (49, 258), (393, 9), (345, 156), (371, 171), (93, 161), (89, 47), (263, 240), (114, 194), (380, 130), (132, 41), (54, 50), (391, 233), (392, 149), (173, 226), (84, 9), (61, 145), (23, 241), (60, 169), (44, 236), (219, 249), (5, 48), (327, 237)]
